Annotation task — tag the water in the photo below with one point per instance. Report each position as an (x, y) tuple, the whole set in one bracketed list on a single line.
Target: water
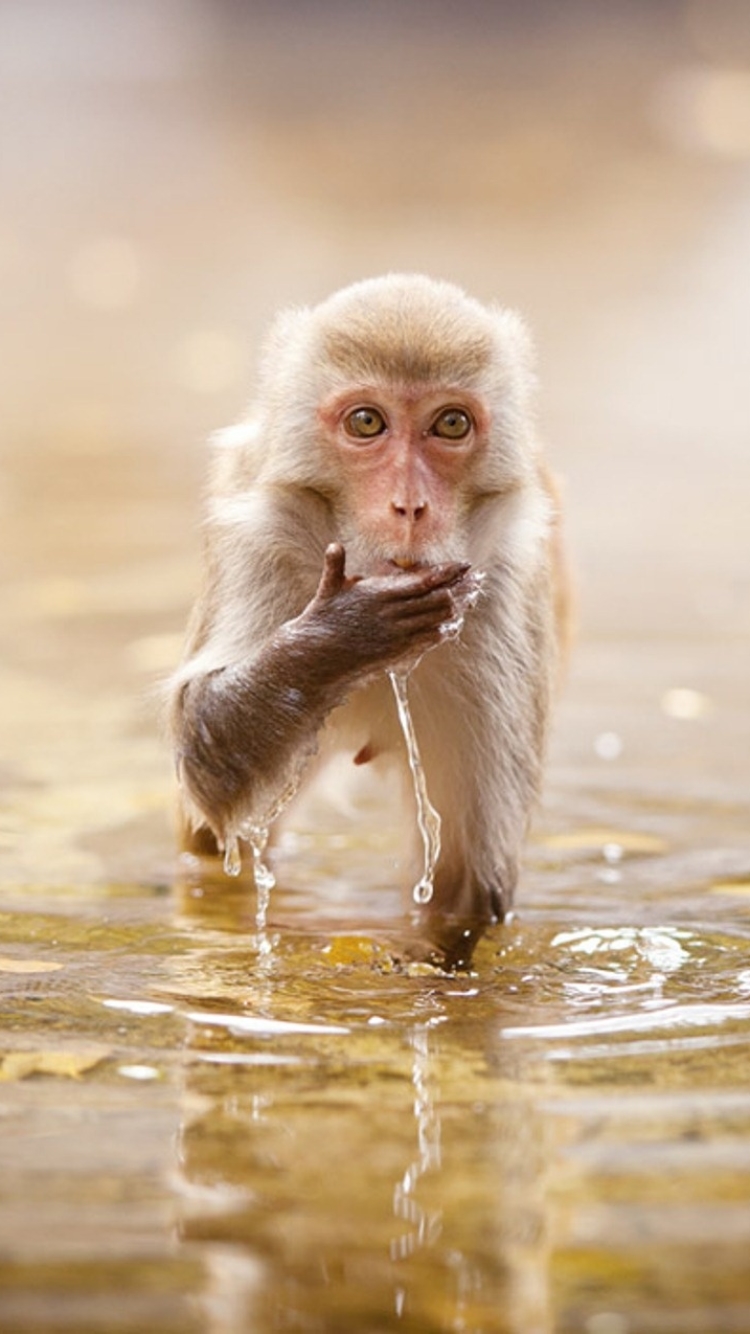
[(256, 832), (328, 1143), (257, 836), (427, 817), (232, 856), (423, 1225), (200, 1138), (265, 881)]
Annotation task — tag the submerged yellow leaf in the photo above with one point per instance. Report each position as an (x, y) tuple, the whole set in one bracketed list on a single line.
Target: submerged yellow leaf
[(70, 1064), (352, 950), (739, 888), (28, 966), (597, 838)]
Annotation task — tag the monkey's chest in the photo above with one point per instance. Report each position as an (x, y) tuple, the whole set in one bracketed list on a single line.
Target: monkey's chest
[(365, 727)]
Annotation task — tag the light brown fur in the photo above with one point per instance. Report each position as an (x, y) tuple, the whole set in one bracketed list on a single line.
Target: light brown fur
[(282, 495)]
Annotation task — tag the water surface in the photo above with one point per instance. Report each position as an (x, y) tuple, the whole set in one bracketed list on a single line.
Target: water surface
[(200, 1135)]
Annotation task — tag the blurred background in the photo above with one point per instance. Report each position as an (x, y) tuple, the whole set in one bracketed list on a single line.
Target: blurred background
[(172, 171)]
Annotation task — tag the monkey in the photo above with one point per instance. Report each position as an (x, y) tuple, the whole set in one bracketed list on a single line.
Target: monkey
[(386, 507)]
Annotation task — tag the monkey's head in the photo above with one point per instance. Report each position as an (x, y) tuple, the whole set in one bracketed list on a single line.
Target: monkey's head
[(404, 402)]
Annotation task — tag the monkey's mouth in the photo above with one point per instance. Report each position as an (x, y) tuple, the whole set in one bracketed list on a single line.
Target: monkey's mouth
[(396, 565), (406, 563)]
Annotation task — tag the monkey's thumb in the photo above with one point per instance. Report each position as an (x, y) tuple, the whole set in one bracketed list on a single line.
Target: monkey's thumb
[(333, 578)]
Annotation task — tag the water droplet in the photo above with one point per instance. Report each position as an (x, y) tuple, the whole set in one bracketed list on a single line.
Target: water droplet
[(612, 852), (423, 891), (232, 858), (452, 629), (608, 746), (685, 704)]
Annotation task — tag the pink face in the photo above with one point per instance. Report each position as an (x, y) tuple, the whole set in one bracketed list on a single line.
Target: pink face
[(405, 458)]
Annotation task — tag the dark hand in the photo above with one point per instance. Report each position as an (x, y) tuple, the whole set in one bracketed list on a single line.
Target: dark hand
[(373, 623)]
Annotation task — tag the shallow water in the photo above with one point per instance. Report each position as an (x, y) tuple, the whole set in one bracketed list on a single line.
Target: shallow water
[(198, 1133), (218, 1138)]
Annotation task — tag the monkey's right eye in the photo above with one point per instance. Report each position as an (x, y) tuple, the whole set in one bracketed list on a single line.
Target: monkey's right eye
[(364, 423)]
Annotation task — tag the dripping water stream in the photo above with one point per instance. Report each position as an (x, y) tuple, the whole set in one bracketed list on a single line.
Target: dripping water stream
[(256, 833), (427, 817), (265, 881)]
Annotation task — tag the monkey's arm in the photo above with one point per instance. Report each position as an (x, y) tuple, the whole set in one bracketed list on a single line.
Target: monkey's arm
[(239, 728)]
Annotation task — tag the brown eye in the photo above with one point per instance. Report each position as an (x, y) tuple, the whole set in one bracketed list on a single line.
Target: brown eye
[(364, 423), (452, 424)]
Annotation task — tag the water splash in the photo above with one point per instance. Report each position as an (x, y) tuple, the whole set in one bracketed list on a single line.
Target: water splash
[(265, 881), (256, 831), (427, 817)]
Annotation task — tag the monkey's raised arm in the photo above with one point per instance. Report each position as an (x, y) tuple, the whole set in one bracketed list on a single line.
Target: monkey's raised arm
[(240, 728)]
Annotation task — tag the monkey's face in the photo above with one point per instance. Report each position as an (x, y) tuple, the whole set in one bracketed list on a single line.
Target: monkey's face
[(405, 458)]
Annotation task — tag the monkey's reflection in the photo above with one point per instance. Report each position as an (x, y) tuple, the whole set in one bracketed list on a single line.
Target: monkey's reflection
[(285, 1245), (335, 1169)]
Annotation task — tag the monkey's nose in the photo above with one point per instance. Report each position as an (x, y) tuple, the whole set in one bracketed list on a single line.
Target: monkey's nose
[(410, 512)]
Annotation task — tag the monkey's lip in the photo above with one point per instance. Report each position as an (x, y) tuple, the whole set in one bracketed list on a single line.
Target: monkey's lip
[(397, 565)]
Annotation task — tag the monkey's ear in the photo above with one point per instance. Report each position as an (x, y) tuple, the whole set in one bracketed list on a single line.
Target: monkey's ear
[(514, 334), (516, 362), (285, 338), (287, 369)]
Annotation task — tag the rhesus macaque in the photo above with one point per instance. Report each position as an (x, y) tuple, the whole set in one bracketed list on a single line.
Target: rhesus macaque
[(388, 489)]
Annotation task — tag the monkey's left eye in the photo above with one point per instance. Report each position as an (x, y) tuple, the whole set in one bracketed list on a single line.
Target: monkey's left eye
[(364, 423), (452, 424)]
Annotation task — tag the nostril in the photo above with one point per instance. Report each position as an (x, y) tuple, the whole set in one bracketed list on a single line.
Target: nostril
[(412, 512)]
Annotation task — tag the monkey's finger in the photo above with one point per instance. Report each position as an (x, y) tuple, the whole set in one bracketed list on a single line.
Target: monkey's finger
[(423, 625), (333, 577), (423, 629), (434, 602), (433, 615), (419, 639), (426, 581)]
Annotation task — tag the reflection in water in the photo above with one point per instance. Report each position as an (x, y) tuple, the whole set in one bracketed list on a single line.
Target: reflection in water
[(424, 1224), (201, 1139), (278, 1163), (583, 1089), (528, 1149)]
